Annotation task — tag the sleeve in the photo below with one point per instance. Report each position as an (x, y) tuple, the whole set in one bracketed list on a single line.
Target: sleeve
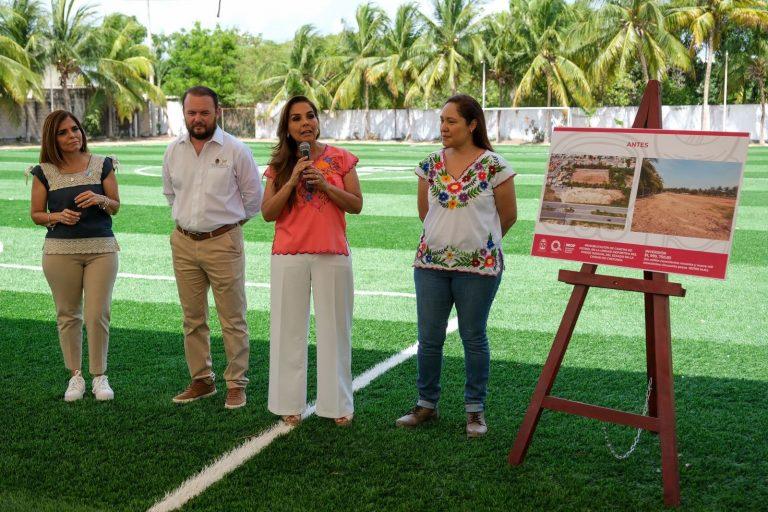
[(422, 170), (499, 171), (38, 173), (248, 181), (170, 195), (109, 165), (348, 163)]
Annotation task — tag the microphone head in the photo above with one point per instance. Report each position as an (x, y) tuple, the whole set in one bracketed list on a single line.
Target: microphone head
[(304, 149)]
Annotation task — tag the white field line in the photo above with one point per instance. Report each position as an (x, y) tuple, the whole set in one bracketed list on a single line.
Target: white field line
[(142, 171), (236, 457), (248, 284)]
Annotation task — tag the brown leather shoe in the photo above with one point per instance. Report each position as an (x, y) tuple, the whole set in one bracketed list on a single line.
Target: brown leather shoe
[(417, 416), (344, 421), (235, 398), (198, 388)]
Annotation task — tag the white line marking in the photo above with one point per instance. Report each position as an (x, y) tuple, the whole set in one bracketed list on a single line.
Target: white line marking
[(141, 171), (239, 455), (248, 284), (1, 246)]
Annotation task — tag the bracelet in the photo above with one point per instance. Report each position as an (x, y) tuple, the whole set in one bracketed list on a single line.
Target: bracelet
[(103, 204), (49, 220)]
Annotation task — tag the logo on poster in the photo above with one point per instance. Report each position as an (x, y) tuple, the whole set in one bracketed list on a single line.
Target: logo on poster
[(637, 144), (555, 246), (543, 244)]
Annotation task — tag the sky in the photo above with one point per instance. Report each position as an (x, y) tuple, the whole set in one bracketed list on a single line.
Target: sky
[(275, 20), (697, 173)]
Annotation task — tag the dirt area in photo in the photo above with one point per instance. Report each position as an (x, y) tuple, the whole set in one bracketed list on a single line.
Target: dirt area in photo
[(689, 215)]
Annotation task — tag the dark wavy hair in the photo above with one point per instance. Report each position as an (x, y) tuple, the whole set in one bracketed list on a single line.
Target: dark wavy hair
[(50, 152), (283, 158), (471, 110)]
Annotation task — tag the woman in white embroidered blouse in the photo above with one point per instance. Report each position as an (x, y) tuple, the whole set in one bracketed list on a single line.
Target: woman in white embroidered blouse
[(466, 200), (74, 194)]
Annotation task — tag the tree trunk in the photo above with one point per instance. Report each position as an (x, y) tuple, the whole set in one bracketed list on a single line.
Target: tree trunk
[(110, 129), (63, 81), (547, 137), (31, 130), (408, 135), (395, 135), (365, 120), (500, 83), (707, 76), (498, 125), (762, 114), (643, 62)]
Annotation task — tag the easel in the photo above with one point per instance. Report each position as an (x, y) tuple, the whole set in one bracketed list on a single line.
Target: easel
[(658, 343)]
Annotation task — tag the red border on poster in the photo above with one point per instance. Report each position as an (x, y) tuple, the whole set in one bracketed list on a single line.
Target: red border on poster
[(652, 131), (658, 259)]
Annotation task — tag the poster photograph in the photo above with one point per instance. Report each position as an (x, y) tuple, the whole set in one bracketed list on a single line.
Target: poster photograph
[(658, 200)]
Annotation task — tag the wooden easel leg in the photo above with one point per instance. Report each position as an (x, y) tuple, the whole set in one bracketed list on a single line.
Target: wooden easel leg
[(650, 350), (549, 372), (666, 399)]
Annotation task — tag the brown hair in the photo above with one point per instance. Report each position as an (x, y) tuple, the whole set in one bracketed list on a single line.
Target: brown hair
[(201, 90), (50, 152), (471, 110), (283, 158)]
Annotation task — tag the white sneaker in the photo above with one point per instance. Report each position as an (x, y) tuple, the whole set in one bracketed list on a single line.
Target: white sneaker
[(76, 388), (101, 389)]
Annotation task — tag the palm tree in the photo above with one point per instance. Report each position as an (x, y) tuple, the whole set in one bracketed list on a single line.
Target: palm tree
[(360, 52), (17, 78), (21, 22), (749, 73), (123, 70), (544, 26), (455, 43), (69, 38), (625, 30), (300, 74), (706, 20), (506, 49), (402, 55)]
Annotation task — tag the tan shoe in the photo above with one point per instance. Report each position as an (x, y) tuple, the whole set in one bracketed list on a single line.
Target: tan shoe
[(198, 388), (235, 398), (291, 419), (417, 416), (476, 426), (344, 421)]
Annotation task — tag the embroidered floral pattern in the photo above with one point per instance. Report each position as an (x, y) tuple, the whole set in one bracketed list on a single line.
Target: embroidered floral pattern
[(331, 169), (57, 180), (80, 245), (482, 260), (454, 193)]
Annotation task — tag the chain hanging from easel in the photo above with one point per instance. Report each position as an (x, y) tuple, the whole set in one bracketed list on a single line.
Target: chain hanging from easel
[(622, 456)]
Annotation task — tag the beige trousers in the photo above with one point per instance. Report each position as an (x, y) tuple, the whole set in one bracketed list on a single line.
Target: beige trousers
[(219, 264), (328, 277), (72, 278)]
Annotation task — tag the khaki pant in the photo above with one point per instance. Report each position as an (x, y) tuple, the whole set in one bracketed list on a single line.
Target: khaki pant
[(73, 277), (328, 278), (217, 263)]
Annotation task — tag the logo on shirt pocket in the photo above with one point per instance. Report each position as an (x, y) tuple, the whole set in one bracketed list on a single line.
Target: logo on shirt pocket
[(221, 163)]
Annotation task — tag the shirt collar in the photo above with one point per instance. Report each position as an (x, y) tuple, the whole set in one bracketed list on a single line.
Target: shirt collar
[(218, 136)]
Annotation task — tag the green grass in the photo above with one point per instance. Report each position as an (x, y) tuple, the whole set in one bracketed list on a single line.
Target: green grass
[(127, 454)]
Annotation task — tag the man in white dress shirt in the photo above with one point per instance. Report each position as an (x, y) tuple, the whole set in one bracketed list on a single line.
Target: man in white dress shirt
[(213, 186)]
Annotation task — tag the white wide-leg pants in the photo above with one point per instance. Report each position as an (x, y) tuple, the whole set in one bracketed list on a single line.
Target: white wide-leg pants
[(328, 277)]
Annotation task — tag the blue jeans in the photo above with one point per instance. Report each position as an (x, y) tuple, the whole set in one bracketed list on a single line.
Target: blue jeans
[(436, 292)]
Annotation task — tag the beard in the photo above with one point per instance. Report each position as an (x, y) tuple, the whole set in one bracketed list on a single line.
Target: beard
[(207, 132)]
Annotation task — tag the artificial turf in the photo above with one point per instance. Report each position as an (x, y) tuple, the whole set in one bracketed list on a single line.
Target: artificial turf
[(127, 454)]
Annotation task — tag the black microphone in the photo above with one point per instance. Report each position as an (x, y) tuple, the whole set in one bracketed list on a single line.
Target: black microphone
[(304, 151)]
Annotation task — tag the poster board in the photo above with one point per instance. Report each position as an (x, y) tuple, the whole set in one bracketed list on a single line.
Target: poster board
[(657, 200)]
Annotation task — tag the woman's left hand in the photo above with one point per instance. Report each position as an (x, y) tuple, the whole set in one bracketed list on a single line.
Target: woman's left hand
[(314, 177), (89, 198)]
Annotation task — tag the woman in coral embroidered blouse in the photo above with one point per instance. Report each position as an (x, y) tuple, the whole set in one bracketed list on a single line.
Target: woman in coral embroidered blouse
[(308, 199), (466, 200)]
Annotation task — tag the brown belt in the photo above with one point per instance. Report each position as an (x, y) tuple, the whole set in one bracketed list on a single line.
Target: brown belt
[(210, 234)]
